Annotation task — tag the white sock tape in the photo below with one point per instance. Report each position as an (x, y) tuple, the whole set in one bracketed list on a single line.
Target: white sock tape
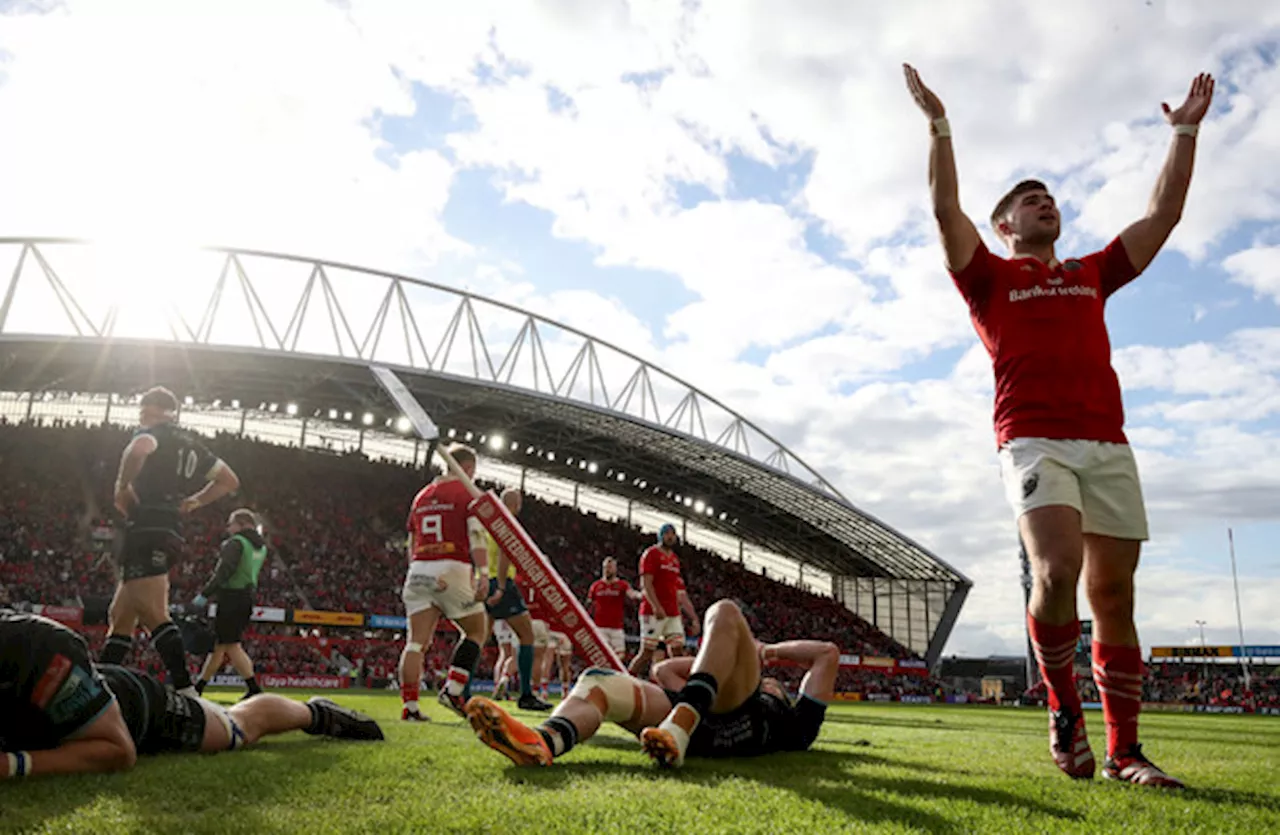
[(13, 765)]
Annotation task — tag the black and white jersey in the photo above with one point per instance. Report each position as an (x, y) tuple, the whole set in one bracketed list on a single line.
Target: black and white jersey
[(49, 691), (180, 466)]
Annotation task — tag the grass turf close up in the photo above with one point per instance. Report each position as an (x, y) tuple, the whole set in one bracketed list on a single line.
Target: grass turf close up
[(881, 768)]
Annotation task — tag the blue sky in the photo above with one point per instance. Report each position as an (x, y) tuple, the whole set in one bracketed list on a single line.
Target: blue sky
[(738, 195)]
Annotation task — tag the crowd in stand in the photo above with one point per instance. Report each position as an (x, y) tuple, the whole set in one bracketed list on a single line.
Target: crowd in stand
[(335, 524), (336, 528)]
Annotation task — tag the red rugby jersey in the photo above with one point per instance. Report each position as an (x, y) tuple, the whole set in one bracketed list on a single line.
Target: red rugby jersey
[(665, 568), (438, 522), (609, 599), (1045, 331)]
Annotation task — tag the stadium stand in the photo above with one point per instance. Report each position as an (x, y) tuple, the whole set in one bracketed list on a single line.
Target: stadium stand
[(340, 550)]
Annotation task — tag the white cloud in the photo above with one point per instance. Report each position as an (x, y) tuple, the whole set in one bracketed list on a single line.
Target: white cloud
[(230, 124), (213, 124), (1258, 269)]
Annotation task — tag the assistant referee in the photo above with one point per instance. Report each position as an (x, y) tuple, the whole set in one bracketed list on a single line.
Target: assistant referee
[(234, 585)]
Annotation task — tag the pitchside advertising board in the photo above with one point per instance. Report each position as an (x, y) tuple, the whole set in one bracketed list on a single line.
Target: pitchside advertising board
[(1248, 651)]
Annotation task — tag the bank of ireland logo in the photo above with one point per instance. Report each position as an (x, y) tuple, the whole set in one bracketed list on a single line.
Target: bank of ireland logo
[(570, 620), (1029, 485)]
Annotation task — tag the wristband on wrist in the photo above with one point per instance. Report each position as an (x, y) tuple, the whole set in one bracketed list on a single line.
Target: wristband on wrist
[(940, 127), (1186, 130), (19, 763)]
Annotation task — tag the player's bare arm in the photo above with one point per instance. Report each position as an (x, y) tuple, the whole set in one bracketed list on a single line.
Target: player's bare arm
[(105, 745), (651, 595), (695, 625), (959, 236), (820, 658), (131, 461), (1144, 238), (221, 481)]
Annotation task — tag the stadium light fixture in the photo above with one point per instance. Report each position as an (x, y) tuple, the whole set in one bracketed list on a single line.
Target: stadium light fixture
[(453, 433), (367, 420), (710, 512), (723, 515), (468, 436), (497, 442), (582, 465), (678, 498), (593, 468), (622, 476), (403, 424), (333, 414), (189, 400), (698, 506), (551, 456), (235, 404), (514, 446), (643, 484), (291, 409), (569, 460), (217, 404), (272, 407), (528, 450), (346, 416), (688, 502)]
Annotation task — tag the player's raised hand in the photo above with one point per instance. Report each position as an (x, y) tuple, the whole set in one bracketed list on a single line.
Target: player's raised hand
[(926, 99), (1199, 97)]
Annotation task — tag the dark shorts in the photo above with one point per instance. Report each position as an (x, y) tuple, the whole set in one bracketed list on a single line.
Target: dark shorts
[(158, 718), (235, 610), (762, 725), (510, 605), (179, 726), (148, 552)]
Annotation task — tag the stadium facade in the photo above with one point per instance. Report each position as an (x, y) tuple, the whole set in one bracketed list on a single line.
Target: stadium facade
[(278, 347)]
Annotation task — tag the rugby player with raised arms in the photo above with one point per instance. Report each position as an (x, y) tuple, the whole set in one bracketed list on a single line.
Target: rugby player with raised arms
[(448, 575), (1068, 470)]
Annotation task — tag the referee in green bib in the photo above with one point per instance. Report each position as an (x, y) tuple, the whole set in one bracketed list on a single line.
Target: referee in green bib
[(234, 586)]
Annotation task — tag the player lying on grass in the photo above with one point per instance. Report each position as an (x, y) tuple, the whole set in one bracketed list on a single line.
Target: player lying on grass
[(61, 714), (716, 704)]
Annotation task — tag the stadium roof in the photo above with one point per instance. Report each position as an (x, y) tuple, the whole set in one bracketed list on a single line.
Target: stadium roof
[(263, 328)]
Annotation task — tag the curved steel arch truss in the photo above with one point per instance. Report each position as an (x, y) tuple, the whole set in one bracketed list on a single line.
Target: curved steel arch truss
[(318, 323)]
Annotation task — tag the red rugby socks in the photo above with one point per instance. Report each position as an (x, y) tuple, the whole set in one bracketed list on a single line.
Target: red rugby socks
[(1055, 650)]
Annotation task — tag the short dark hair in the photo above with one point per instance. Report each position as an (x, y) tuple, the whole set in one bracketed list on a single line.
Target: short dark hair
[(463, 454), (161, 398), (1002, 207)]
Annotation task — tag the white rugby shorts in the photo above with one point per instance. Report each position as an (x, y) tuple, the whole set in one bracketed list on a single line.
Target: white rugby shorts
[(504, 634), (541, 633), (615, 638), (561, 644), (456, 601), (1098, 479), (655, 630)]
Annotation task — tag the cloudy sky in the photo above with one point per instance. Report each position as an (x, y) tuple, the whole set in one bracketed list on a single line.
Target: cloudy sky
[(735, 190)]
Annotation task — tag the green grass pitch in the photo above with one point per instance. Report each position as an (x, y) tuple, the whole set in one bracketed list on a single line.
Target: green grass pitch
[(883, 768)]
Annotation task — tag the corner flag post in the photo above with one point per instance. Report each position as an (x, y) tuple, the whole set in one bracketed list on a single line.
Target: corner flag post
[(567, 613)]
